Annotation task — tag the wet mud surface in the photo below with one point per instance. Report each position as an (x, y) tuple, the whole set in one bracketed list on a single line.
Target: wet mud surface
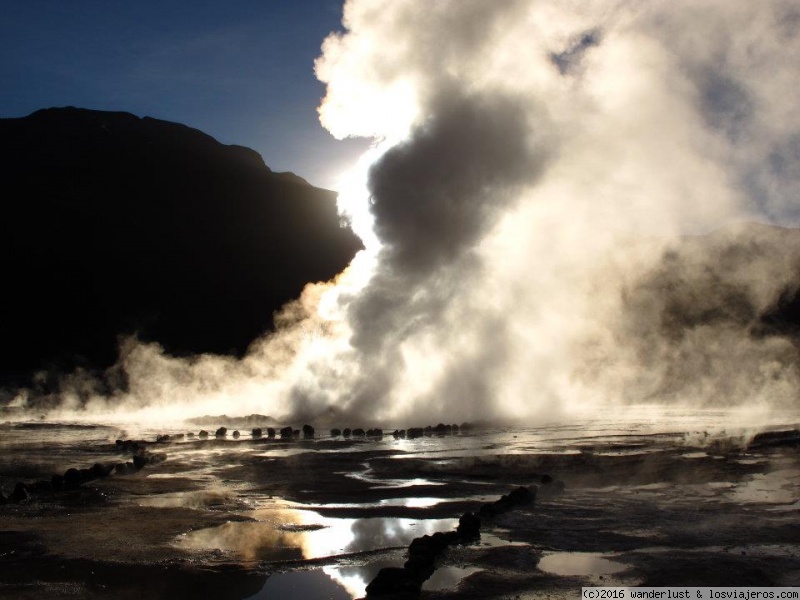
[(318, 518)]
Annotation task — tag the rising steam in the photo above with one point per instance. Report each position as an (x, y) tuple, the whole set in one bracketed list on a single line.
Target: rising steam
[(538, 166)]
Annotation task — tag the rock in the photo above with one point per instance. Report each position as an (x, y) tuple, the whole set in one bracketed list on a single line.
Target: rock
[(3, 499), (57, 482), (415, 432), (270, 432), (99, 470), (40, 487), (295, 433), (455, 429), (522, 496), (256, 433), (375, 433), (308, 431), (236, 434), (394, 580), (221, 432), (72, 479), (139, 461), (190, 435), (203, 433), (420, 566), (347, 432), (358, 432), (163, 438), (20, 493), (286, 432), (336, 432), (546, 479), (469, 526)]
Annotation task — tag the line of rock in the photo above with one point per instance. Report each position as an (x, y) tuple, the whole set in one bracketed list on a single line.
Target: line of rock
[(424, 552), (73, 478)]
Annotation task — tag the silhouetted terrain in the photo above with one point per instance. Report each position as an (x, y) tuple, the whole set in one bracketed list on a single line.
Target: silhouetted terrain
[(114, 224)]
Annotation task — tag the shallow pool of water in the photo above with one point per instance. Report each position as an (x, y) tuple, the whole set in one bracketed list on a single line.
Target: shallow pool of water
[(573, 564)]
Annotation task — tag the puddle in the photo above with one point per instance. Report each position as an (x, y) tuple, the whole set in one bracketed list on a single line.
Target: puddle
[(382, 484), (303, 534), (571, 564), (302, 584), (777, 487), (694, 455), (199, 499), (447, 578), (356, 579)]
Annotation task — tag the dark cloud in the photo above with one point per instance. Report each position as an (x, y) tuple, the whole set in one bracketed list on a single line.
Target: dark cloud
[(568, 61)]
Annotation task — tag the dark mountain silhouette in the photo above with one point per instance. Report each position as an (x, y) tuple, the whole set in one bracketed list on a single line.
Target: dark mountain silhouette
[(114, 224)]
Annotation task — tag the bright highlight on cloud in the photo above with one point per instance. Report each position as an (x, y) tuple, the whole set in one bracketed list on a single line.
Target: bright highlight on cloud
[(537, 168)]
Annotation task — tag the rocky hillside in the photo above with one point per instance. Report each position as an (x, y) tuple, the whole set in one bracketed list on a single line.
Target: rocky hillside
[(114, 224)]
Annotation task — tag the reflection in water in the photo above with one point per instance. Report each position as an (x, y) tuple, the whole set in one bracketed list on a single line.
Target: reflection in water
[(302, 584), (570, 564), (290, 534)]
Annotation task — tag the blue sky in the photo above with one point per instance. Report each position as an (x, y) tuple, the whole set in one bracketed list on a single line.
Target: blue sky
[(242, 70)]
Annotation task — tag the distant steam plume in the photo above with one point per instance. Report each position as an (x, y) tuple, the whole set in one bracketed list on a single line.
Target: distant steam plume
[(538, 166)]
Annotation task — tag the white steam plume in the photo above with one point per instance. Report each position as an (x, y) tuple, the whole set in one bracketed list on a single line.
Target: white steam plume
[(536, 165)]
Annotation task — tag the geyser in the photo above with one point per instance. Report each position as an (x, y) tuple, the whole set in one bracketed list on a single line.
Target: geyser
[(535, 213)]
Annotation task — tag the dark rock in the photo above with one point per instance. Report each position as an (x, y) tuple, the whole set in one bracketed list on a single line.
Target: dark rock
[(40, 487), (190, 434), (270, 432), (415, 432), (546, 479), (72, 479), (286, 432), (336, 432), (469, 526), (163, 438), (203, 433), (86, 475), (3, 499), (256, 432), (420, 566), (20, 493), (236, 434), (308, 431), (394, 580), (295, 433), (347, 432), (99, 470), (522, 496), (57, 482), (359, 432), (375, 433), (221, 432), (455, 429), (139, 461)]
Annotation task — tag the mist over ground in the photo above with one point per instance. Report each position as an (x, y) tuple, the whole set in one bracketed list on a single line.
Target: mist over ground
[(557, 217)]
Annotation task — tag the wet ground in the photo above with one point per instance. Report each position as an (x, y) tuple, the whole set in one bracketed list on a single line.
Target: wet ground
[(667, 502)]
